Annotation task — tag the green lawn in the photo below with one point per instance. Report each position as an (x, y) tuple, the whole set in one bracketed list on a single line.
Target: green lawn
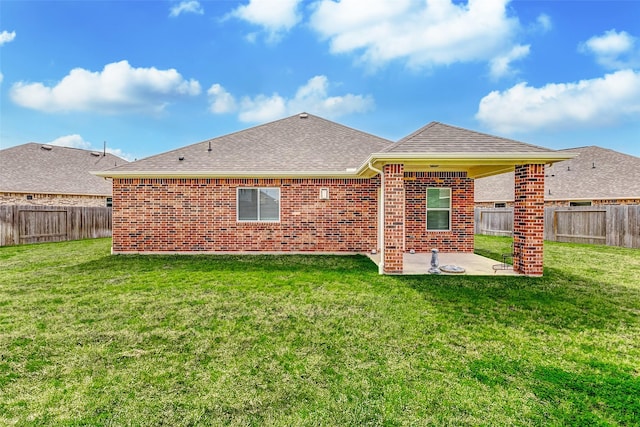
[(87, 338)]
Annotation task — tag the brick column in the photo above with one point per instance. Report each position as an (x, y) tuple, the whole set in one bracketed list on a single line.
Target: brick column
[(528, 219), (394, 200)]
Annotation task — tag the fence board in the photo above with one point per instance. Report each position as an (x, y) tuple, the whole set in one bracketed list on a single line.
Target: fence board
[(613, 225), (578, 225), (35, 224), (497, 222)]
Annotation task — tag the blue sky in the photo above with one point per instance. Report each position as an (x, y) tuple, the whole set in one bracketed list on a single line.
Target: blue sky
[(149, 76)]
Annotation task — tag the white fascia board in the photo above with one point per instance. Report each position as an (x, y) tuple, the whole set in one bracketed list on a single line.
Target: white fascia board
[(230, 174)]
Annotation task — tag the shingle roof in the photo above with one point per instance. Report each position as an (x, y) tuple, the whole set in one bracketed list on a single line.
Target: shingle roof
[(594, 174), (303, 142), (38, 168), (440, 138)]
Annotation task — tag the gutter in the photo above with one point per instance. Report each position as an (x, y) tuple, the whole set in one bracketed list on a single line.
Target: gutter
[(381, 219)]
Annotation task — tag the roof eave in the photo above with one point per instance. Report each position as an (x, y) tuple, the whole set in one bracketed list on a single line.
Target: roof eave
[(477, 165), (349, 173)]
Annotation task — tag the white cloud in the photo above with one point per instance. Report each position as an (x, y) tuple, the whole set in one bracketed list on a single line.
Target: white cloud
[(186, 6), (501, 65), (118, 88), (543, 23), (613, 50), (587, 103), (313, 97), (275, 16), (6, 37), (221, 101), (262, 108), (422, 34), (77, 141), (73, 141)]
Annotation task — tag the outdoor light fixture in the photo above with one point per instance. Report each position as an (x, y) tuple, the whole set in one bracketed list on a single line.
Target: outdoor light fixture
[(324, 194)]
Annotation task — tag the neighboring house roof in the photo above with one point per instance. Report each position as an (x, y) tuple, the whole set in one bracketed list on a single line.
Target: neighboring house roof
[(594, 174), (41, 168), (305, 145)]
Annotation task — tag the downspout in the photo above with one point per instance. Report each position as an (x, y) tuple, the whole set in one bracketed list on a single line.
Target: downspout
[(381, 219)]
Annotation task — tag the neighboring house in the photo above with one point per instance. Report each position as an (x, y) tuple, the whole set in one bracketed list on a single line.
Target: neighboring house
[(595, 176), (41, 174), (306, 184)]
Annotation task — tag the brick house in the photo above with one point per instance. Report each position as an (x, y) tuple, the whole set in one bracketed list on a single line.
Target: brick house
[(40, 175), (306, 184), (595, 176)]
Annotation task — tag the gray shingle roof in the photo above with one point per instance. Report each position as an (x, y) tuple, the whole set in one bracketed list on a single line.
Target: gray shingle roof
[(302, 142), (30, 168), (615, 175), (440, 138)]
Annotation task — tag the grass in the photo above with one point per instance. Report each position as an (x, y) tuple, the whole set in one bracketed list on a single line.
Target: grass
[(92, 339)]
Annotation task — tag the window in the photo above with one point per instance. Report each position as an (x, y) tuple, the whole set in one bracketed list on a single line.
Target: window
[(579, 203), (438, 209), (500, 205), (258, 204), (109, 202)]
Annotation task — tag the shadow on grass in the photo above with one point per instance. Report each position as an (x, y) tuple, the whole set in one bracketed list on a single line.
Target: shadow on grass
[(343, 264), (603, 388), (558, 300)]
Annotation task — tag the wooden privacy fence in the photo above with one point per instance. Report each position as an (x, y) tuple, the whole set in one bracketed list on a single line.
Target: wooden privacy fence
[(35, 224), (611, 225)]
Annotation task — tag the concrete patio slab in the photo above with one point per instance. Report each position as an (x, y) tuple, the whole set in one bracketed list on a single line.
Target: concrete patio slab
[(474, 265)]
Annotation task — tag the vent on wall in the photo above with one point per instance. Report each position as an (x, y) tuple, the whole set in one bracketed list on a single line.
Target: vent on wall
[(324, 194)]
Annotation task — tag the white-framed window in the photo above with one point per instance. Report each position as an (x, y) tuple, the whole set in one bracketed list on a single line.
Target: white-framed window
[(258, 204), (438, 209)]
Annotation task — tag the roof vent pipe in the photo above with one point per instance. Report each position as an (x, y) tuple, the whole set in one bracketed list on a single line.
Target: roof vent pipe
[(303, 115)]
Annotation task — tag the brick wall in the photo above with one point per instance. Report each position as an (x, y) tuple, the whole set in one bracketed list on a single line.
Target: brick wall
[(38, 199), (460, 238), (528, 219), (167, 215), (394, 218)]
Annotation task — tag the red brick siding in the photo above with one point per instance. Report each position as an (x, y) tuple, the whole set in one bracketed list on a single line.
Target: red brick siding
[(528, 220), (460, 238), (167, 215), (394, 218)]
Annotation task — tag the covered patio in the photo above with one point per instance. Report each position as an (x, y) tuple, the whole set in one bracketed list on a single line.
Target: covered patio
[(473, 264)]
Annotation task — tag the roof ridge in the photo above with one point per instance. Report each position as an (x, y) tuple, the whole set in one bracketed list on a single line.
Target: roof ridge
[(418, 131), (346, 127), (41, 144), (271, 123), (494, 136), (599, 148)]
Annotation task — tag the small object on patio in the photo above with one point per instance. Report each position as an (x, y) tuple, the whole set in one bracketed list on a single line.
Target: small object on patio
[(434, 262), (452, 269), (505, 257), (412, 251)]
